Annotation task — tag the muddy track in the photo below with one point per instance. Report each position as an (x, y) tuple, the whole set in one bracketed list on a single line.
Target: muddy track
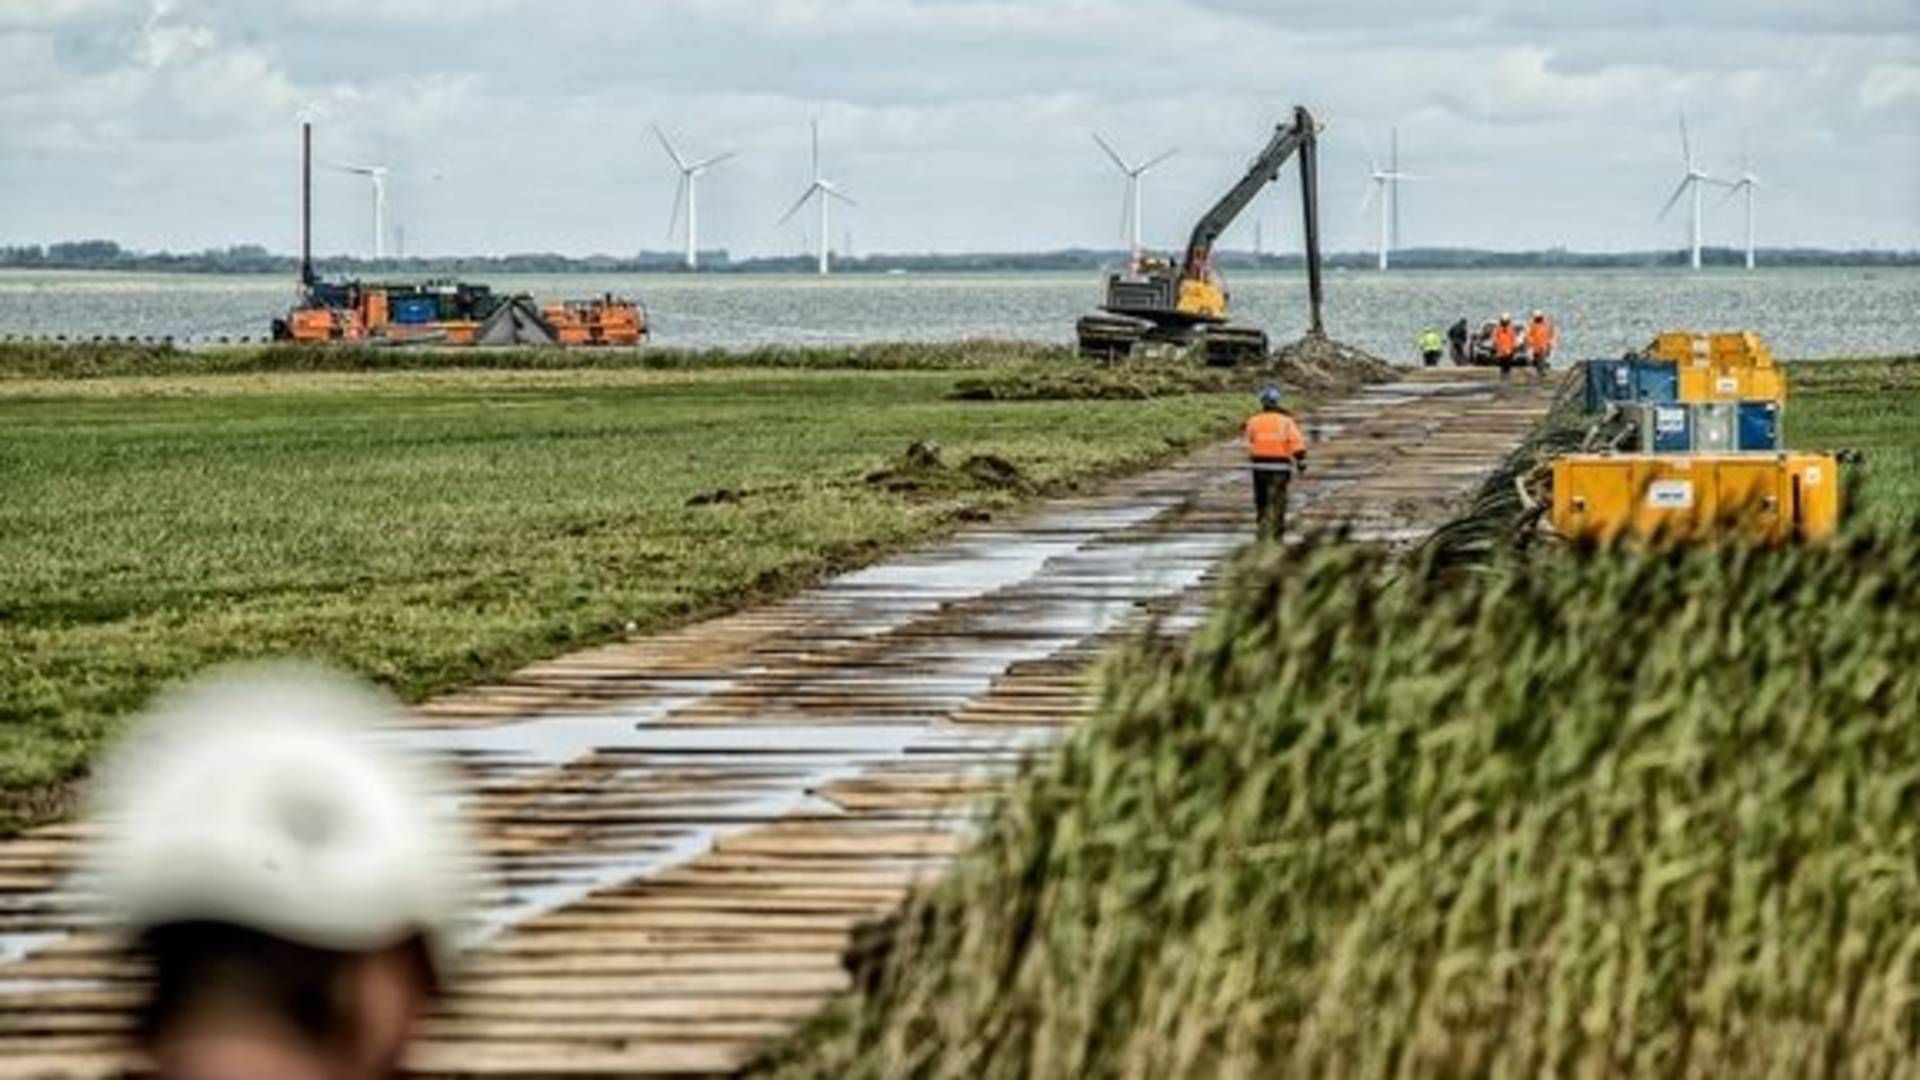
[(688, 828)]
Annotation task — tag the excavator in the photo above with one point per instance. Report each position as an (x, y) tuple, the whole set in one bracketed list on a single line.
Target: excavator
[(1160, 303)]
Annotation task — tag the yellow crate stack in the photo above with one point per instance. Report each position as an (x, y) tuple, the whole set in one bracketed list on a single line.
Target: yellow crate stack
[(1728, 367), (1766, 496)]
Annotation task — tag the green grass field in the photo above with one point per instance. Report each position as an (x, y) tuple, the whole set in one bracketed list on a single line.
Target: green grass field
[(435, 528), (1872, 406)]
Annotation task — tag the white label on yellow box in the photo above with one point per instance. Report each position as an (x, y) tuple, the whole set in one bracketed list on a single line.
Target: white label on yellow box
[(1727, 385), (1812, 477), (1670, 494)]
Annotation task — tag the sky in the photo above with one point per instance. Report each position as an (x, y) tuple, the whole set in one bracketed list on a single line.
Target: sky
[(956, 125)]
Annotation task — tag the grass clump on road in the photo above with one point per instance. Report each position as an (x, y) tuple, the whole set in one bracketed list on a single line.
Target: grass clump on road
[(432, 529), (1603, 814)]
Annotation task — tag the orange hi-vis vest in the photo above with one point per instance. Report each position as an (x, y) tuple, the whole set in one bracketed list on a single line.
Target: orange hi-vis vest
[(1274, 436), (1506, 341), (1540, 336)]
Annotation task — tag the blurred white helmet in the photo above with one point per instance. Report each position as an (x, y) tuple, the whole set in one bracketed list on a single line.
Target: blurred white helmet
[(257, 797)]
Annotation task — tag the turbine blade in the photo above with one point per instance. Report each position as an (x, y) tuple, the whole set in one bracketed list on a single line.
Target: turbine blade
[(1733, 192), (1143, 169), (1367, 197), (1686, 144), (798, 203), (1677, 193), (816, 149), (668, 146), (1112, 153), (712, 161), (836, 193)]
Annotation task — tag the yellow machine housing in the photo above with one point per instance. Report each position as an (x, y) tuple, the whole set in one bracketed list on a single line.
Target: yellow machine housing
[(1772, 498), (1203, 299)]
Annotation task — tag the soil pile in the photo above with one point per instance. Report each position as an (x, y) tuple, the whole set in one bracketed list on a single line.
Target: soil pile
[(1318, 363)]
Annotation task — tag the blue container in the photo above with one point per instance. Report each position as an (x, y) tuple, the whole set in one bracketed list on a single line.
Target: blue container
[(1759, 425), (415, 310), (1656, 380), (1670, 428), (1608, 381)]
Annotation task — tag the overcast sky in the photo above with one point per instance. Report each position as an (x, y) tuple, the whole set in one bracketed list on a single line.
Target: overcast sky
[(959, 125)]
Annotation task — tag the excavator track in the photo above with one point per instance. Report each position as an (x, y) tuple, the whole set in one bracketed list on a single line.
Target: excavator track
[(1109, 337), (1231, 346)]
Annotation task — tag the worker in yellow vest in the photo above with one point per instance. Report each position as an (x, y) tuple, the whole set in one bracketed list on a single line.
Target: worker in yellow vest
[(1277, 449), (1430, 345)]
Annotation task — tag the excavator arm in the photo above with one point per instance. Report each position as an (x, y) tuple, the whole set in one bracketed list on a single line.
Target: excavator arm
[(1288, 139)]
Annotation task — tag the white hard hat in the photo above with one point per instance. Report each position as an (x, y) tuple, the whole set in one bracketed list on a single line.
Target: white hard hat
[(258, 798)]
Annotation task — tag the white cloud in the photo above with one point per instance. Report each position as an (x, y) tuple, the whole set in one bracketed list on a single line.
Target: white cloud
[(960, 123)]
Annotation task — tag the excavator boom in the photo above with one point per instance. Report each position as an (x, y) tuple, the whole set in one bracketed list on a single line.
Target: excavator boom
[(1158, 301)]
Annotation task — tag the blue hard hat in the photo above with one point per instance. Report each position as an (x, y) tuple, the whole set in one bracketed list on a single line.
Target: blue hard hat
[(1270, 396)]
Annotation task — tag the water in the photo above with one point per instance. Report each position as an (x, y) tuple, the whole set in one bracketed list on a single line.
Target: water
[(1803, 313)]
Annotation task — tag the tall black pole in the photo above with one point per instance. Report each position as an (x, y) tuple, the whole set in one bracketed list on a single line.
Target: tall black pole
[(1310, 205), (306, 204)]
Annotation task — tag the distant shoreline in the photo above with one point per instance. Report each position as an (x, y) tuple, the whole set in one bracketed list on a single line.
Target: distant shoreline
[(105, 255)]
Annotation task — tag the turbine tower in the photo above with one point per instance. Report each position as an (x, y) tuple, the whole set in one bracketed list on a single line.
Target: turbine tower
[(823, 190), (1747, 183), (1693, 182), (688, 193), (1385, 190), (1130, 223), (377, 174)]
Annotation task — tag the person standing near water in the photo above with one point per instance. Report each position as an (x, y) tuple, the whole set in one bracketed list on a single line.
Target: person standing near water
[(1430, 346), (1457, 336)]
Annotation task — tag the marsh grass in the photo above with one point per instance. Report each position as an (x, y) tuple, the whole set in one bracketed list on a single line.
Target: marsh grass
[(40, 360), (1597, 814)]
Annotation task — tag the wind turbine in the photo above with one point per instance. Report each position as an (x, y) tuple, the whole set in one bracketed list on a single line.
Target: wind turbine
[(377, 174), (1694, 180), (1385, 190), (1130, 223), (825, 191), (1747, 183), (688, 193)]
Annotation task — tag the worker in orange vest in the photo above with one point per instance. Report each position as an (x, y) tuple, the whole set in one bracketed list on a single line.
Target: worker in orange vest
[(1540, 340), (1277, 450), (1506, 343)]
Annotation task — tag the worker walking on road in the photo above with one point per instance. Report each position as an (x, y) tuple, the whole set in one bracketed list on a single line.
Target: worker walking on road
[(1506, 344), (1540, 341), (1277, 450), (1431, 344)]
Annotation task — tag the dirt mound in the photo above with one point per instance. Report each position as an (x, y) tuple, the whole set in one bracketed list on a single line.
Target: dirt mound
[(1322, 364), (923, 471)]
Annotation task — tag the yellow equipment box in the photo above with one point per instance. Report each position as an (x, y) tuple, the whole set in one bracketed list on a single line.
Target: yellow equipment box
[(1705, 385), (1733, 350), (1765, 497)]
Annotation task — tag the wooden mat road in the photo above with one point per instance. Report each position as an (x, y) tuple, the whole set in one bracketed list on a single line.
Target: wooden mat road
[(687, 828)]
